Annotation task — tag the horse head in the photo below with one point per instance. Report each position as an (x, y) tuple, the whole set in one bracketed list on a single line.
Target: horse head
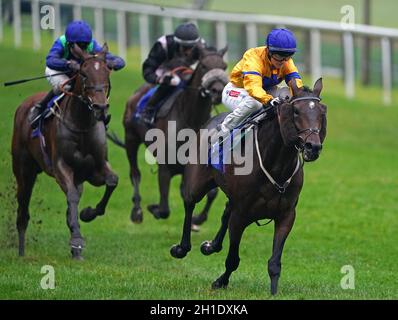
[(302, 120), (211, 73), (92, 83)]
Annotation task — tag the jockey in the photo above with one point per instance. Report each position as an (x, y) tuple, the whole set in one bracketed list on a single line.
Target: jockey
[(181, 43), (254, 79), (61, 58)]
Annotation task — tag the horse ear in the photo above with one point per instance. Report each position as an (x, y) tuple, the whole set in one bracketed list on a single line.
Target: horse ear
[(223, 50), (295, 89), (318, 87), (78, 52), (201, 48), (105, 48)]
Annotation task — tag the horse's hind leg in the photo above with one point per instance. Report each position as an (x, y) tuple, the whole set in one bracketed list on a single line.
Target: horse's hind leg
[(132, 144), (162, 210), (25, 176), (282, 228), (202, 217), (110, 179), (209, 247), (236, 228)]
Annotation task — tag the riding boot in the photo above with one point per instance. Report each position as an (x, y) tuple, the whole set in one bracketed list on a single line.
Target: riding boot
[(37, 110), (148, 114)]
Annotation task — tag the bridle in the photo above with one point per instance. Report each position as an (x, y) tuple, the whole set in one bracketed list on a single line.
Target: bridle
[(311, 131), (85, 99), (299, 163)]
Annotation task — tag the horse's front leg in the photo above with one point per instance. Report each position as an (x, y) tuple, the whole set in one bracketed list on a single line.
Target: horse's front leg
[(162, 211), (180, 250), (110, 179), (283, 226), (202, 217), (64, 176)]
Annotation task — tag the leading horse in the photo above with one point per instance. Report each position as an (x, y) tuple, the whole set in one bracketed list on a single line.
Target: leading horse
[(271, 190), (71, 147), (191, 109)]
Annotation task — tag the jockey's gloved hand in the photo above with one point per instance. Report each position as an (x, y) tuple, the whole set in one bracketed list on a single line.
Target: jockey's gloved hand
[(110, 64), (273, 103), (170, 80), (73, 65)]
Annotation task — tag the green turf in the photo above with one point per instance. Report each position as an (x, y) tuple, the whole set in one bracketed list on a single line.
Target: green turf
[(346, 216)]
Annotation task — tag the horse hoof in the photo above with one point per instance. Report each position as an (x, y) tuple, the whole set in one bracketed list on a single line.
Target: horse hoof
[(220, 283), (136, 215), (157, 213), (207, 248), (179, 252), (76, 252), (274, 285), (88, 214)]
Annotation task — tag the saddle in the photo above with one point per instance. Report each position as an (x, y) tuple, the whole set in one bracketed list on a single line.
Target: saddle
[(47, 113), (163, 107)]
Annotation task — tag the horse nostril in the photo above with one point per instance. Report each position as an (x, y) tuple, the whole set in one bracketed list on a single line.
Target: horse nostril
[(316, 148)]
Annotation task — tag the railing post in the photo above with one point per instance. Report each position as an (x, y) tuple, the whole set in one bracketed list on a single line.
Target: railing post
[(16, 6), (57, 20), (36, 24), (121, 34), (251, 35), (99, 24), (167, 25), (144, 36), (349, 64), (1, 22), (386, 67), (315, 54), (221, 36), (77, 12)]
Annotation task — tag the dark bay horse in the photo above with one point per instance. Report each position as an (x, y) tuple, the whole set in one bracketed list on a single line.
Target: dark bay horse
[(191, 109), (271, 190), (73, 148)]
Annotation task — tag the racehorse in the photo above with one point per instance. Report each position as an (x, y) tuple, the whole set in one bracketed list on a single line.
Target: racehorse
[(71, 147), (191, 109), (271, 190)]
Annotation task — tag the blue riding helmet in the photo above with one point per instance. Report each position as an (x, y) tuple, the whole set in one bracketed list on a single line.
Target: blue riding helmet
[(78, 31), (281, 40)]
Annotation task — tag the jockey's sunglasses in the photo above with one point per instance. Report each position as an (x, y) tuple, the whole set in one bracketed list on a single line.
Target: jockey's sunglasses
[(279, 58)]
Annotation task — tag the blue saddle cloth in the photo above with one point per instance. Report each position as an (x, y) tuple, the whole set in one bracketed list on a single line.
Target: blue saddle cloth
[(144, 100), (141, 104)]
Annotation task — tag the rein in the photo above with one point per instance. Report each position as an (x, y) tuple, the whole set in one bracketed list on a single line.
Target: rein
[(281, 188)]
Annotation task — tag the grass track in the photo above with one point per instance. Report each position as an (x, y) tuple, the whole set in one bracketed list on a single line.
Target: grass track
[(346, 216)]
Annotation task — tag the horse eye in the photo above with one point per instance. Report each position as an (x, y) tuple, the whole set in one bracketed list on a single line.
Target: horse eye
[(296, 112)]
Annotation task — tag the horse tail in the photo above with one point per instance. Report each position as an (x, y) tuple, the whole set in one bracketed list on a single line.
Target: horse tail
[(115, 139)]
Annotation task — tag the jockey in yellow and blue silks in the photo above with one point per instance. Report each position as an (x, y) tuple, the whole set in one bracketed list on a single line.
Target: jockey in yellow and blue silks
[(254, 79), (61, 59)]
